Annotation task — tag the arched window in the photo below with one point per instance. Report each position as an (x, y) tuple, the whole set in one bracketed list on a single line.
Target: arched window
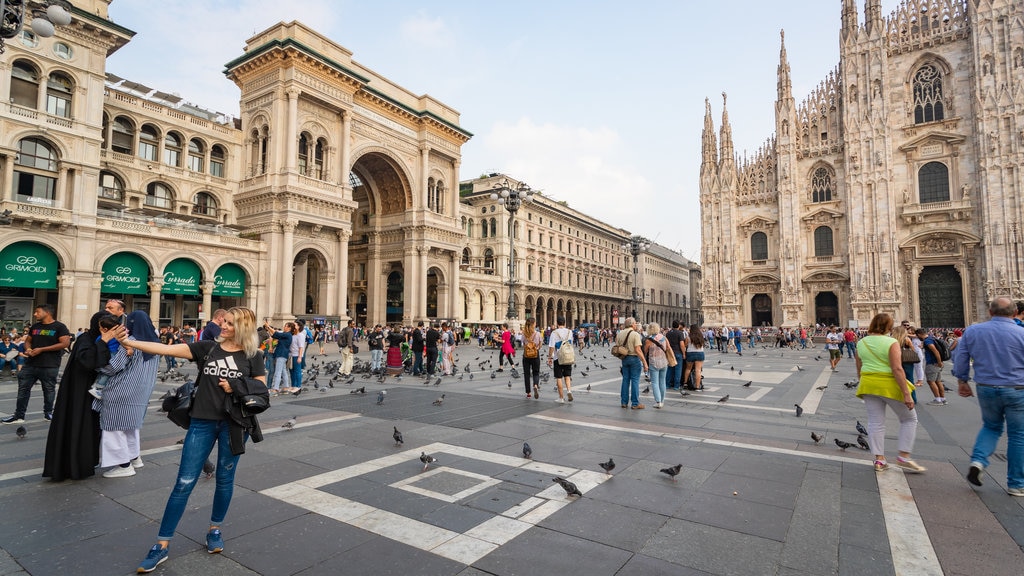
[(465, 256), (123, 135), (196, 153), (928, 105), (59, 89), (303, 153), (823, 241), (204, 204), (24, 84), (35, 172), (469, 229), (439, 197), (494, 228), (821, 185), (217, 157), (933, 183), (172, 149), (149, 139), (489, 261), (159, 195), (759, 246), (111, 187)]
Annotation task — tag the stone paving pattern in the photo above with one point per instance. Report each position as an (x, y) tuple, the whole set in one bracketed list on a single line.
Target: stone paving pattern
[(755, 495)]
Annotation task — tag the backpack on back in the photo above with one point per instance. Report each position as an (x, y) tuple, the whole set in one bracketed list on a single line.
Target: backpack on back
[(942, 348), (529, 348), (566, 351)]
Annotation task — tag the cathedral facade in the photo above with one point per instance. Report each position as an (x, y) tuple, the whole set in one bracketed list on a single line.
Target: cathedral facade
[(895, 186)]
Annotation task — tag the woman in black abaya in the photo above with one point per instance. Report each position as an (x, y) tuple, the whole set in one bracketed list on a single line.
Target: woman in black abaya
[(73, 443)]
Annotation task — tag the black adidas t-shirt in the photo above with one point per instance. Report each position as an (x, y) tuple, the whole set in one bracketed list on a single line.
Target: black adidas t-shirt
[(209, 403)]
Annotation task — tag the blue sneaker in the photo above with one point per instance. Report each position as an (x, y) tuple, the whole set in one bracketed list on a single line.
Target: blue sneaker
[(153, 559), (214, 542)]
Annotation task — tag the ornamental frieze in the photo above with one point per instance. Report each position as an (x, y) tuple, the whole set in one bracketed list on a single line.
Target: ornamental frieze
[(939, 246)]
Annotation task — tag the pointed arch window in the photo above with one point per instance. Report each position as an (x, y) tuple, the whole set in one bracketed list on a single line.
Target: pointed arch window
[(823, 245), (933, 183), (759, 246), (928, 105), (821, 185)]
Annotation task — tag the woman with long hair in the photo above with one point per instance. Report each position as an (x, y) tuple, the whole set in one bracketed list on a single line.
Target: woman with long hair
[(508, 350), (229, 368), (532, 341), (884, 383), (694, 357), (656, 350)]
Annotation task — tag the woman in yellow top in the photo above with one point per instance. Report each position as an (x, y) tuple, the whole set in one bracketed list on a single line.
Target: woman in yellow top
[(883, 382)]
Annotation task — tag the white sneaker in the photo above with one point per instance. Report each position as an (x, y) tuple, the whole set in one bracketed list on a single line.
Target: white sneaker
[(137, 462), (119, 472), (560, 401)]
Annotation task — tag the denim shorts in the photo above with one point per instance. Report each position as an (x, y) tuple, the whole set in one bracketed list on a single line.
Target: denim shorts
[(694, 356)]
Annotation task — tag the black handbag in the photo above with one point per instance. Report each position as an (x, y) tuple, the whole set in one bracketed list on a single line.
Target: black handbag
[(355, 349), (178, 404), (255, 403)]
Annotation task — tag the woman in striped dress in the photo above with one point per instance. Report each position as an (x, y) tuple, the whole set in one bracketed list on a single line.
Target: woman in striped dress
[(125, 399)]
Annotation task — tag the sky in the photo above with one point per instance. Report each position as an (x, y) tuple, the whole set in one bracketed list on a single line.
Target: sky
[(596, 103)]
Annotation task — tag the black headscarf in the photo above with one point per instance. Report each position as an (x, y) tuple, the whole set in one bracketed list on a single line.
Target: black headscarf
[(140, 327), (94, 324)]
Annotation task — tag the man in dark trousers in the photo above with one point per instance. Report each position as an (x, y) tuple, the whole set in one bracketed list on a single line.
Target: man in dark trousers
[(45, 342), (432, 338), (675, 337), (417, 345)]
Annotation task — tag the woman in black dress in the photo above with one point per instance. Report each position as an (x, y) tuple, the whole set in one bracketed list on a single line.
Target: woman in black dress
[(73, 442)]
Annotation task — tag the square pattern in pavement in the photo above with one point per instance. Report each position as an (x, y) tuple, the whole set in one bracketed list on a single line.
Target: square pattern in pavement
[(524, 504)]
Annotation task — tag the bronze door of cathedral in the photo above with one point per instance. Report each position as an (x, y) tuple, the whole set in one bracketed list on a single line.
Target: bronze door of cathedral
[(826, 308), (761, 310), (940, 292)]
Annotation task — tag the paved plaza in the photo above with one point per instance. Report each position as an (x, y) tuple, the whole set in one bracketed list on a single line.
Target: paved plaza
[(336, 495)]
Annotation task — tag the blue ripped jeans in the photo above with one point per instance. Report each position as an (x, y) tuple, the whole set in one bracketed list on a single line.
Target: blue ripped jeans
[(197, 448)]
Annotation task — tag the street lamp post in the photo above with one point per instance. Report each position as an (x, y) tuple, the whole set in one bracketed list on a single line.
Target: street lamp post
[(636, 245), (512, 196), (45, 16)]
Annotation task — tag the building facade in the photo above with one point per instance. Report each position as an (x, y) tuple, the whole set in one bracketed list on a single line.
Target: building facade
[(893, 187), (333, 195)]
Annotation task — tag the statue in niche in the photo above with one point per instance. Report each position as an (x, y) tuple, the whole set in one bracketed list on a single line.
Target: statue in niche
[(1002, 276), (886, 280), (860, 280), (906, 196), (789, 248), (883, 246), (965, 192)]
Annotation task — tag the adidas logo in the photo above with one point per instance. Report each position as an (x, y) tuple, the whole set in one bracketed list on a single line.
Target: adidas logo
[(223, 368)]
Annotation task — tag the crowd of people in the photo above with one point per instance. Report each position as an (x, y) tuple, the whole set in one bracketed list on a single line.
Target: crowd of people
[(99, 409)]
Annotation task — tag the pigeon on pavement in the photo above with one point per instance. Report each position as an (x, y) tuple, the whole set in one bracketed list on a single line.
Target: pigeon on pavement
[(398, 437), (862, 442), (570, 488), (816, 437), (861, 429), (21, 432), (607, 466), (360, 390), (724, 399), (673, 471), (843, 445), (527, 451), (380, 397), (427, 459), (439, 401), (290, 423), (748, 383), (799, 410)]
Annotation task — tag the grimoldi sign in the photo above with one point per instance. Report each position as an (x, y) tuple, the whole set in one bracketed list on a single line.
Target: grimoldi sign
[(125, 273), (182, 276), (28, 265)]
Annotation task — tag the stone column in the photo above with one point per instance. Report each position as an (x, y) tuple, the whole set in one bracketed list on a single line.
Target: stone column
[(207, 291), (410, 276), (346, 152), (291, 132), (376, 283), (452, 207), (455, 311), (155, 289), (341, 274), (419, 200), (287, 277), (421, 281)]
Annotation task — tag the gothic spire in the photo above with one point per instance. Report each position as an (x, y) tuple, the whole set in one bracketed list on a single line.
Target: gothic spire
[(873, 15), (726, 155), (785, 82), (849, 18), (709, 159)]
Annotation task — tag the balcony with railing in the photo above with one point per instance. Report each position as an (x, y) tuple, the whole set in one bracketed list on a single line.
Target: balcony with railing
[(948, 211)]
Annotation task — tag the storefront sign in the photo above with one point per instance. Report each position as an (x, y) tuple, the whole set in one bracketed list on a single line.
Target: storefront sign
[(182, 276), (28, 265), (125, 273), (229, 280)]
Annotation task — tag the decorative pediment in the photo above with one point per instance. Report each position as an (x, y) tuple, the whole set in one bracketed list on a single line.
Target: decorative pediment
[(761, 279), (758, 224), (822, 216), (825, 277), (931, 140)]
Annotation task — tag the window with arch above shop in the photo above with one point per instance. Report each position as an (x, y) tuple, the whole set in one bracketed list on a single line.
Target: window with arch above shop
[(35, 172), (217, 160), (24, 84), (59, 90), (204, 204)]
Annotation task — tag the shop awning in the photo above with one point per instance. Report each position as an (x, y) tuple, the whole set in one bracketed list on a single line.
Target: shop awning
[(28, 265), (182, 276), (229, 280), (125, 273)]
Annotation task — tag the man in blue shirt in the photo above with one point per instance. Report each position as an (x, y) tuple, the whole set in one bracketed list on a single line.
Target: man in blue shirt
[(997, 349), (932, 367)]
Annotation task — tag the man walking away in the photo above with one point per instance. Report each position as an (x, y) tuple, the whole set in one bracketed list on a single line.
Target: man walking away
[(997, 349), (932, 367), (675, 338), (345, 342), (44, 345), (431, 340)]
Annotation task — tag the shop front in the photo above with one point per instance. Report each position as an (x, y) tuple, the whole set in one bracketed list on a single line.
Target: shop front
[(28, 276)]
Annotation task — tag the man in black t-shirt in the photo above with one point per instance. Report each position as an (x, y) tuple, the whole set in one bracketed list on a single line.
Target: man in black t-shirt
[(45, 343), (375, 343), (417, 349), (431, 340), (675, 338)]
